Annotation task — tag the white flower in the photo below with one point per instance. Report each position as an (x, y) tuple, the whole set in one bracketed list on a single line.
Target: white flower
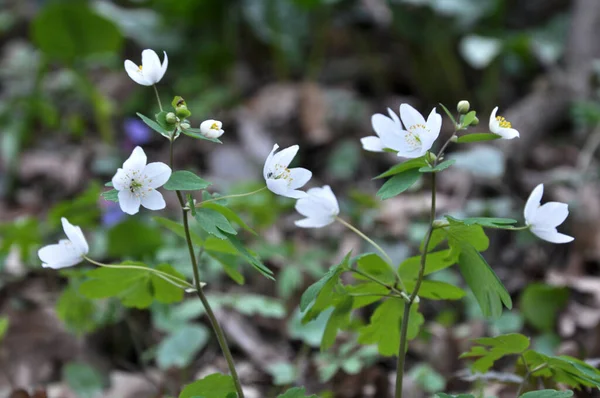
[(150, 71), (320, 207), (543, 220), (67, 252), (412, 142), (501, 126), (211, 128), (282, 180), (137, 183)]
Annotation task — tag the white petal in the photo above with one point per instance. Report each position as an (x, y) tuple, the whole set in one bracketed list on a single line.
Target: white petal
[(277, 186), (285, 156), (136, 163), (153, 200), (551, 214), (394, 117), (157, 174), (327, 195), (551, 235), (533, 203), (295, 194), (405, 150), (129, 203), (313, 222), (410, 116), (76, 236), (268, 167), (493, 125), (506, 133), (310, 208), (164, 66), (136, 74), (387, 130), (151, 67), (372, 144), (121, 180), (434, 124), (58, 256), (299, 177)]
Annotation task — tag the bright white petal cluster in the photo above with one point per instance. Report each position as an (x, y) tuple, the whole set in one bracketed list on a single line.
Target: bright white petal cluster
[(282, 180), (67, 252), (320, 207), (411, 141), (211, 128), (543, 219), (150, 71), (501, 126), (137, 183)]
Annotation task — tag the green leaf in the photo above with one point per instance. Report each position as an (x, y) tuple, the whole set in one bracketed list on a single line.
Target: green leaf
[(468, 119), (183, 180), (195, 133), (384, 326), (490, 349), (179, 348), (477, 137), (164, 291), (563, 369), (161, 119), (179, 230), (435, 261), (132, 238), (398, 183), (313, 290), (214, 223), (296, 392), (427, 378), (112, 195), (71, 30), (362, 293), (284, 373), (448, 113), (375, 266), (436, 290), (76, 311), (84, 380), (339, 319), (541, 305), (442, 166), (155, 126), (489, 222), (459, 234), (416, 163), (548, 394), (251, 258), (212, 386), (487, 288), (3, 326), (229, 214)]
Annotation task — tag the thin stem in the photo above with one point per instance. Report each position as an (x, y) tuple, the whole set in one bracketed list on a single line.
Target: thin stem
[(157, 97), (529, 373), (415, 292), (387, 286), (200, 293), (237, 195)]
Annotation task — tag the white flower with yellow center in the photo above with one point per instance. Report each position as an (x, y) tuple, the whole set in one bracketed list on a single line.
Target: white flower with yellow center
[(320, 207), (543, 219), (211, 128), (499, 125), (282, 180), (67, 252), (412, 141), (137, 183), (150, 71)]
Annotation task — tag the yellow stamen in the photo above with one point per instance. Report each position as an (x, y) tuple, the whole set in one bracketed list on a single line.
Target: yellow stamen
[(503, 122), (214, 126), (140, 67)]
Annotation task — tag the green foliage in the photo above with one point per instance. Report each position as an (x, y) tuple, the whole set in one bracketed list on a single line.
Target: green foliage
[(111, 195), (229, 214), (435, 261), (376, 267), (540, 305), (416, 163), (467, 119), (562, 369), (427, 378), (76, 311), (339, 319), (84, 380), (215, 385), (349, 357), (70, 31), (82, 210), (490, 349), (399, 183), (477, 137), (22, 233), (436, 290), (283, 373), (195, 133), (134, 287), (547, 394), (487, 222), (384, 326), (440, 167), (325, 283), (132, 238), (155, 126), (214, 223), (250, 257), (180, 347), (296, 392), (178, 230), (183, 180), (3, 327)]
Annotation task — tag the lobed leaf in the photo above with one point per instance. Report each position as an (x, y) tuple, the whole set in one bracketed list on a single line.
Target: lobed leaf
[(404, 166), (183, 180), (398, 183), (212, 386), (490, 349)]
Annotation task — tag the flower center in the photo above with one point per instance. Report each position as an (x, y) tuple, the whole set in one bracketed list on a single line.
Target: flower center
[(214, 126), (140, 67), (503, 122), (281, 172), (136, 188), (413, 138)]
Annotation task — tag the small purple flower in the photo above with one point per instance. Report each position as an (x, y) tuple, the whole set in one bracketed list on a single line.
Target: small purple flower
[(136, 131), (111, 213)]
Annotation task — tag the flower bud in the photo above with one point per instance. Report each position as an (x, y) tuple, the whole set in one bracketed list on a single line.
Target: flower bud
[(185, 125), (211, 128), (182, 111), (463, 107), (171, 118), (454, 138), (430, 157), (475, 121), (440, 223)]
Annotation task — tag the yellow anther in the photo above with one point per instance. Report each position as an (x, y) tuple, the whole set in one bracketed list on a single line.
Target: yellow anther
[(503, 122), (140, 67), (214, 126)]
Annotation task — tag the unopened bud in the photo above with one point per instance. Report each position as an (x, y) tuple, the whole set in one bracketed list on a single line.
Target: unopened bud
[(431, 158), (171, 118), (475, 121), (440, 223), (454, 138), (182, 111), (463, 107), (185, 125)]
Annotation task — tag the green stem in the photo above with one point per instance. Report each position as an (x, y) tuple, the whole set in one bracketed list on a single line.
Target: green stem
[(387, 286), (237, 195), (157, 97), (529, 373), (200, 293)]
